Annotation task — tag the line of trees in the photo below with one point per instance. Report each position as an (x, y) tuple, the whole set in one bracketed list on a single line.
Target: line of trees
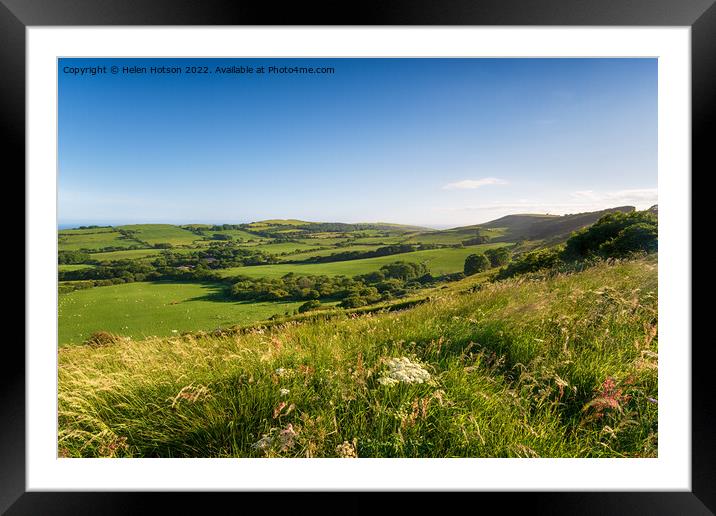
[(490, 258), (197, 265), (392, 280), (359, 255)]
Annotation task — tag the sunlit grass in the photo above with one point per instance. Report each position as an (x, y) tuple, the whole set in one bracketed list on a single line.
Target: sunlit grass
[(560, 366)]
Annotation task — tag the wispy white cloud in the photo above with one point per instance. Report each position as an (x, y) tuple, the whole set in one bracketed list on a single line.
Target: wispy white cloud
[(633, 196), (471, 184)]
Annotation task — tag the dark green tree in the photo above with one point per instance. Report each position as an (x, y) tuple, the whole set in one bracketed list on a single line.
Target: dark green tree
[(634, 238), (498, 257), (613, 235), (313, 304), (476, 263)]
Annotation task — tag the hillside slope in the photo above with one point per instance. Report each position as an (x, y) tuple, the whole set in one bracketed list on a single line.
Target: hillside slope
[(552, 228), (561, 366)]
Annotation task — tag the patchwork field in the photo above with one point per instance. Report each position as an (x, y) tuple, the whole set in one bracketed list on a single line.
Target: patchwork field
[(161, 234), (235, 234), (93, 239), (285, 247), (308, 253), (135, 254), (439, 261), (119, 298)]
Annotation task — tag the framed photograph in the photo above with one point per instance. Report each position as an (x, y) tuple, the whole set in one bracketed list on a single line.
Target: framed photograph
[(415, 250)]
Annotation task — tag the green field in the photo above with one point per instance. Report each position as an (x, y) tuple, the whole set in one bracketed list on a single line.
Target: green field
[(161, 234), (304, 255), (450, 236), (324, 240), (377, 240), (439, 261), (73, 267), (285, 247), (236, 234), (93, 240), (134, 254), (129, 254), (155, 308)]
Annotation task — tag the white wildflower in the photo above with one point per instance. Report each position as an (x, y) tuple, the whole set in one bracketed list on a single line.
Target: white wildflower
[(280, 371), (285, 392), (402, 370)]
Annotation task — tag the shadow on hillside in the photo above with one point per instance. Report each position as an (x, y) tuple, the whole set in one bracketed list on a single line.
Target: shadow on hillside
[(214, 292)]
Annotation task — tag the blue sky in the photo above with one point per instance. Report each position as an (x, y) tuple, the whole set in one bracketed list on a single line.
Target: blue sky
[(436, 142)]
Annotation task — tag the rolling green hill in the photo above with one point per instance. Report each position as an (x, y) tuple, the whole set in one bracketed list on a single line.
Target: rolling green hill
[(551, 228)]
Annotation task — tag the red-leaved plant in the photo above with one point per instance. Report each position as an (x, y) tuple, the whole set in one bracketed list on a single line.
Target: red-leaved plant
[(608, 398)]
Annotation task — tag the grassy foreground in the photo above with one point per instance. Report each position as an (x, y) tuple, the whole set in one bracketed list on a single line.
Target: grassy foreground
[(562, 366)]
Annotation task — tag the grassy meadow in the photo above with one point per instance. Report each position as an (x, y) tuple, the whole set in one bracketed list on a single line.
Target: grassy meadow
[(551, 365), (160, 308)]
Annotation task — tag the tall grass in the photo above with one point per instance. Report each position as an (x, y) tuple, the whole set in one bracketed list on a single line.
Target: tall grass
[(558, 366)]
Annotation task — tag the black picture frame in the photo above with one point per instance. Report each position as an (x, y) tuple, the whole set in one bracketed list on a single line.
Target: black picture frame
[(17, 15)]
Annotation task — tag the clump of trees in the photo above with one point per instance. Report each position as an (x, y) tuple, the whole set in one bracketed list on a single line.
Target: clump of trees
[(291, 287), (358, 255), (120, 271), (532, 262), (93, 227), (498, 257), (219, 255), (196, 266), (107, 249), (392, 280), (72, 257), (476, 263), (490, 258), (615, 235), (479, 238), (313, 304)]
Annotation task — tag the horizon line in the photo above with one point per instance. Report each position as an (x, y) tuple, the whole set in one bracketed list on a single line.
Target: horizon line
[(428, 225)]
